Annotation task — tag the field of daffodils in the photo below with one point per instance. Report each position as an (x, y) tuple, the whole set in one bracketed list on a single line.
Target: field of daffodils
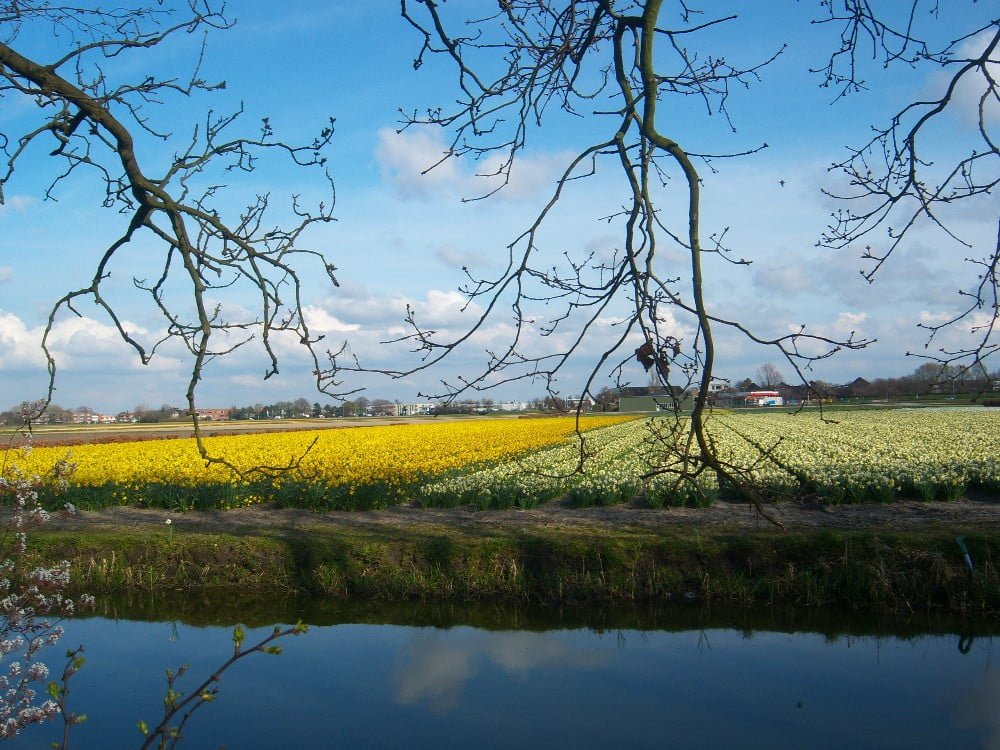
[(861, 456)]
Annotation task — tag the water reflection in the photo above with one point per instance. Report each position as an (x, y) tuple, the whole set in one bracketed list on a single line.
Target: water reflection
[(977, 707), (252, 611), (392, 676), (436, 665)]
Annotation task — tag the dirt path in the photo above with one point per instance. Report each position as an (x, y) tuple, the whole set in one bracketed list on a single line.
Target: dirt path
[(69, 435), (977, 514)]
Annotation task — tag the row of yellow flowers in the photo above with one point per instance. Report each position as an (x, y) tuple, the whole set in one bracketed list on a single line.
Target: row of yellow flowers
[(389, 455), (870, 455)]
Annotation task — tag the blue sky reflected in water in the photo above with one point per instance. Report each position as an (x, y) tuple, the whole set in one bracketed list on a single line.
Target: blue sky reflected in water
[(383, 686)]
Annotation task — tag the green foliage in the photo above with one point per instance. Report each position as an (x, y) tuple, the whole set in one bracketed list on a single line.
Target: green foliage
[(322, 496), (908, 571), (589, 495), (288, 493), (673, 495), (167, 496)]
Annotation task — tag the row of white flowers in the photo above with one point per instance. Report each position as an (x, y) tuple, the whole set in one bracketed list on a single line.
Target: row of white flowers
[(877, 455), (861, 455)]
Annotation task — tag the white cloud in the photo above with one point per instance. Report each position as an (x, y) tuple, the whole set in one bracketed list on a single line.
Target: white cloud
[(529, 175), (19, 347), (17, 203), (78, 344), (975, 707), (6, 274), (447, 308), (408, 162), (76, 337), (379, 319), (93, 365), (436, 667), (97, 368), (784, 279), (435, 673), (962, 335), (454, 257), (928, 318), (360, 310), (414, 163), (848, 323), (968, 95), (320, 321)]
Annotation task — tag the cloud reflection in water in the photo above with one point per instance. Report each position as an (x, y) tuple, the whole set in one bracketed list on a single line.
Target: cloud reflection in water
[(436, 665)]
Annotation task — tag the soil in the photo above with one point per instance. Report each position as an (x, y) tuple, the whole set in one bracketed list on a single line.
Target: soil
[(968, 514), (70, 435)]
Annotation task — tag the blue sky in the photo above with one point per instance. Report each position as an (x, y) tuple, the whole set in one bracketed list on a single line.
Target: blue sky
[(401, 238)]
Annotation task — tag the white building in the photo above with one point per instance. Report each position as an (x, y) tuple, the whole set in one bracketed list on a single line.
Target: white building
[(410, 410), (512, 406), (765, 398)]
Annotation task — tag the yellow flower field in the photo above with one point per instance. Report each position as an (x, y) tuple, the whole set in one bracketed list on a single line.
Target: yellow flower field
[(865, 455), (390, 457)]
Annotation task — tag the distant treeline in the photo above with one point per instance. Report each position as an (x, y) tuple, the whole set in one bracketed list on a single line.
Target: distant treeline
[(928, 378)]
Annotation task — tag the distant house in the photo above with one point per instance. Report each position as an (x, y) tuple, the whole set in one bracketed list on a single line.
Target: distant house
[(512, 406), (859, 387), (214, 415), (764, 398), (92, 417), (409, 410), (793, 394), (650, 402), (715, 388), (653, 402)]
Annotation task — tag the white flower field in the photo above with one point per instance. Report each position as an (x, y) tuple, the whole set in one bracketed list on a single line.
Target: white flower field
[(856, 456)]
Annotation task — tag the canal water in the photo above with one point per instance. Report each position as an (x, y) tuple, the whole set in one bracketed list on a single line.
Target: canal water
[(370, 676)]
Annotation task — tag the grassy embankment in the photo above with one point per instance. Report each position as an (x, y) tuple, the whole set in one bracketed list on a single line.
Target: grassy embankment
[(899, 571), (885, 569)]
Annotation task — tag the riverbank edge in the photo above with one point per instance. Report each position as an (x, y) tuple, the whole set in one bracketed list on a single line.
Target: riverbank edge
[(881, 570)]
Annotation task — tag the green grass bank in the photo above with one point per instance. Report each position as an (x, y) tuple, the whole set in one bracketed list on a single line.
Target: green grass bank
[(899, 571)]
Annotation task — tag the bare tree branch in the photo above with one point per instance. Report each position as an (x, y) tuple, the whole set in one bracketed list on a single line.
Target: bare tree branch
[(94, 120), (567, 56), (901, 182)]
